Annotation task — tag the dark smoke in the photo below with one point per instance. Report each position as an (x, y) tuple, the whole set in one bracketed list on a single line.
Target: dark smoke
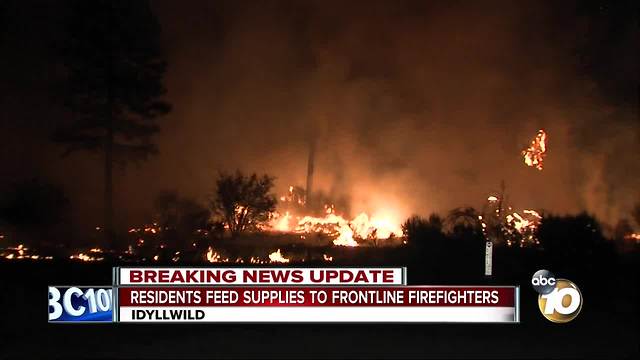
[(416, 106)]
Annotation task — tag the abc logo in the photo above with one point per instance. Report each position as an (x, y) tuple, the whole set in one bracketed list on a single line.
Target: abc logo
[(543, 281), (559, 300)]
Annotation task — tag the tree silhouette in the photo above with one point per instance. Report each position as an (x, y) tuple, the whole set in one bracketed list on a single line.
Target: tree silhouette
[(115, 71), (463, 218), (243, 202), (635, 213), (421, 232), (179, 217), (33, 208), (573, 242)]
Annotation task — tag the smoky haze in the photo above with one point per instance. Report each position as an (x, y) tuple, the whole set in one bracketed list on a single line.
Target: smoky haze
[(416, 107)]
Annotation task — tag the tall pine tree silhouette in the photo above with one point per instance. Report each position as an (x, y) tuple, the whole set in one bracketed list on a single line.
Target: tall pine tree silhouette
[(115, 88)]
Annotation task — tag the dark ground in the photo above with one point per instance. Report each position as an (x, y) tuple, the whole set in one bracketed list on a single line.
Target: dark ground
[(606, 327)]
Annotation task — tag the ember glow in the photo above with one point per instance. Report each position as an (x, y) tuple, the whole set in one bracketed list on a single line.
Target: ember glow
[(20, 252), (534, 155), (94, 254)]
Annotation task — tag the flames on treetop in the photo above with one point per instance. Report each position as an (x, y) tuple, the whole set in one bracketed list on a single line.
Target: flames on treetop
[(534, 155), (503, 224)]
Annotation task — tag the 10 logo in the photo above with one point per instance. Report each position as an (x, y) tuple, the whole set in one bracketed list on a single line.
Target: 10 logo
[(559, 300)]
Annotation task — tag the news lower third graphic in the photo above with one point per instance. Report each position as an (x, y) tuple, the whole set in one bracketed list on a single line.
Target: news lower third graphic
[(559, 300), (264, 295)]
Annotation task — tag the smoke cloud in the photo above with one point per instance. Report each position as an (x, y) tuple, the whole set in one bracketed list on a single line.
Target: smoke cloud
[(416, 107)]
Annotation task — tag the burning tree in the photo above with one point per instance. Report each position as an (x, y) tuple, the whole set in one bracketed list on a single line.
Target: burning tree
[(534, 154), (502, 225), (243, 202)]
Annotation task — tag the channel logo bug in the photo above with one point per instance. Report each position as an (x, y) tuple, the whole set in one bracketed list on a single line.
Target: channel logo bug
[(80, 304), (559, 300)]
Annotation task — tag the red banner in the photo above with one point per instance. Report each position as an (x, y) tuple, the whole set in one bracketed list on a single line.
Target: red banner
[(317, 296)]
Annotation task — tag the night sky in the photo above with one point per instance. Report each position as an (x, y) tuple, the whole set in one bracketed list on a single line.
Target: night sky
[(418, 106)]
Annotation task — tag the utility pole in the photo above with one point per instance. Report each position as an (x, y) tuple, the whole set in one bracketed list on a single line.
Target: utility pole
[(488, 249), (500, 214), (310, 169)]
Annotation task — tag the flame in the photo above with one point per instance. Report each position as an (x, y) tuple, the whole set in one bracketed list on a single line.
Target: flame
[(212, 256), (276, 256), (513, 227), (379, 227), (345, 238), (535, 153), (20, 252), (633, 237), (532, 221), (255, 260), (327, 257), (345, 232), (85, 257), (525, 225), (281, 223)]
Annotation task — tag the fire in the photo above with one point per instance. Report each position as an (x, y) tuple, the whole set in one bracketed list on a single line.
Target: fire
[(85, 257), (379, 227), (327, 225), (515, 228), (535, 153), (343, 231), (524, 226), (633, 237), (212, 256), (346, 237), (276, 256), (281, 223), (21, 252)]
